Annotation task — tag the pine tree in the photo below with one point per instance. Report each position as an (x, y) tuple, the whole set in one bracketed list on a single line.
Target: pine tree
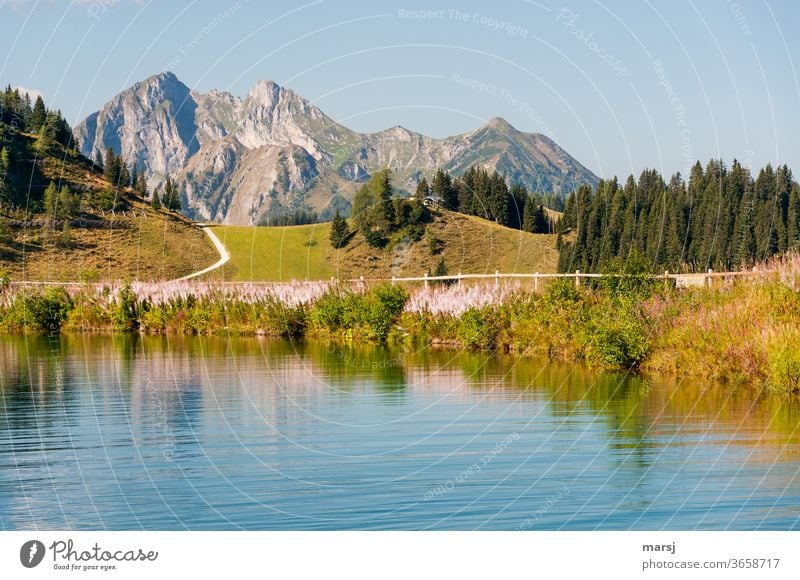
[(385, 199), (423, 189), (176, 203), (528, 218), (793, 219), (6, 195), (140, 185), (66, 202), (111, 167), (38, 115), (44, 142), (169, 192), (339, 231), (155, 200), (50, 201), (124, 178), (518, 203), (442, 187), (540, 220)]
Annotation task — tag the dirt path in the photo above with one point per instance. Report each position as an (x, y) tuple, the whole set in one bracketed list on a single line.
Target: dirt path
[(224, 255)]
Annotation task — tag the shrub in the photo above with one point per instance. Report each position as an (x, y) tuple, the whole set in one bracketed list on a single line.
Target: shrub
[(370, 315), (629, 279), (125, 311), (480, 328), (41, 311), (616, 338), (386, 303)]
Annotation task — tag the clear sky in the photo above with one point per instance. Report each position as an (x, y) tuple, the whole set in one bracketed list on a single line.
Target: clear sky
[(621, 85)]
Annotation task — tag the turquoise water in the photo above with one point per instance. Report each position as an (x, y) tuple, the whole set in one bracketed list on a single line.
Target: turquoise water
[(213, 433)]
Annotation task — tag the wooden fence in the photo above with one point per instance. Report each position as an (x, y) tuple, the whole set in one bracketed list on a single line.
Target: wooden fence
[(684, 280)]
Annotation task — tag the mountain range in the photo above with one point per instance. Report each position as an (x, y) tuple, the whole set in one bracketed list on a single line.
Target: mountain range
[(239, 158)]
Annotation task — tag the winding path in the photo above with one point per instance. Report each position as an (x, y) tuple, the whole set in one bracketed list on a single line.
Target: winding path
[(224, 255)]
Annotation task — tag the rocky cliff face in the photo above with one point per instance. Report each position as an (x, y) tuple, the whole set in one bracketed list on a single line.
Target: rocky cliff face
[(238, 157)]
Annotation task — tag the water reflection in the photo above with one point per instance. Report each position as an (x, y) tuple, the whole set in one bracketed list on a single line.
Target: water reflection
[(130, 432)]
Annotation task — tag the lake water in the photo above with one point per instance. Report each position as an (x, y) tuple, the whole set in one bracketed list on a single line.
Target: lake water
[(100, 432)]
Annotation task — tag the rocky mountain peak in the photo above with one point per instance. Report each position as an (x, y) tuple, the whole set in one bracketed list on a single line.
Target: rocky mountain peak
[(265, 92), (239, 157), (500, 124)]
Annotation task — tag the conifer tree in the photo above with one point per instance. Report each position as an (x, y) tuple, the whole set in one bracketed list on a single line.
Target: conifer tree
[(38, 115), (50, 201), (155, 200), (423, 189), (6, 196), (442, 187), (339, 231)]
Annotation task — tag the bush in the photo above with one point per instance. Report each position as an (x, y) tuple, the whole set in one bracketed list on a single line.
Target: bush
[(629, 279), (616, 338), (480, 328), (371, 315), (42, 312), (386, 303), (125, 311)]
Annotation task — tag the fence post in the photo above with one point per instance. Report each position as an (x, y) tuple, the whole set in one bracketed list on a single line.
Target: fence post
[(577, 278), (426, 279), (708, 278), (496, 278), (459, 278), (392, 280), (536, 282), (666, 279)]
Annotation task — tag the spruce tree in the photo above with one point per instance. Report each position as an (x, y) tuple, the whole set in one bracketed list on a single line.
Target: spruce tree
[(528, 217), (155, 200), (111, 167), (442, 187), (518, 203), (44, 141), (339, 231), (423, 189), (386, 215), (6, 196), (50, 201), (38, 116)]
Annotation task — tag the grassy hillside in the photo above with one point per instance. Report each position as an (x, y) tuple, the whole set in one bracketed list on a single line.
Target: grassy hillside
[(141, 244), (467, 244), (132, 242)]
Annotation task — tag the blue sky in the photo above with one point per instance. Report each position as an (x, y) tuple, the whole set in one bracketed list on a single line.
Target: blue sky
[(622, 86)]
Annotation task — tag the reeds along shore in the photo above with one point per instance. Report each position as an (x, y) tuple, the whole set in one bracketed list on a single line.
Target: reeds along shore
[(745, 332)]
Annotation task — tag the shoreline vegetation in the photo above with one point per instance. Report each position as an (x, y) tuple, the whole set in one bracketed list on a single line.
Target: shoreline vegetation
[(742, 332)]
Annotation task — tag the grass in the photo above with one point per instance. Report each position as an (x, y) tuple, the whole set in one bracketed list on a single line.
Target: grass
[(140, 244), (741, 332), (469, 245)]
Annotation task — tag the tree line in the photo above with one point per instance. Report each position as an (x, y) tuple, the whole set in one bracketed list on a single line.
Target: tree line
[(32, 136), (721, 218), (19, 120), (480, 193)]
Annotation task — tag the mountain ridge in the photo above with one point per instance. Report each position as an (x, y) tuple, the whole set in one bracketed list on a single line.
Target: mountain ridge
[(239, 158)]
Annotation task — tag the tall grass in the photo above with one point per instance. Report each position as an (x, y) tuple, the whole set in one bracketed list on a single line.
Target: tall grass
[(742, 332)]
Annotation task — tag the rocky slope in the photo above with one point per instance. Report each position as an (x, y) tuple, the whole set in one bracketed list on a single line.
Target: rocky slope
[(240, 157)]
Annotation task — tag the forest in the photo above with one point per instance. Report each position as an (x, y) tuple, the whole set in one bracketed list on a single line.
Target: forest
[(721, 218)]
